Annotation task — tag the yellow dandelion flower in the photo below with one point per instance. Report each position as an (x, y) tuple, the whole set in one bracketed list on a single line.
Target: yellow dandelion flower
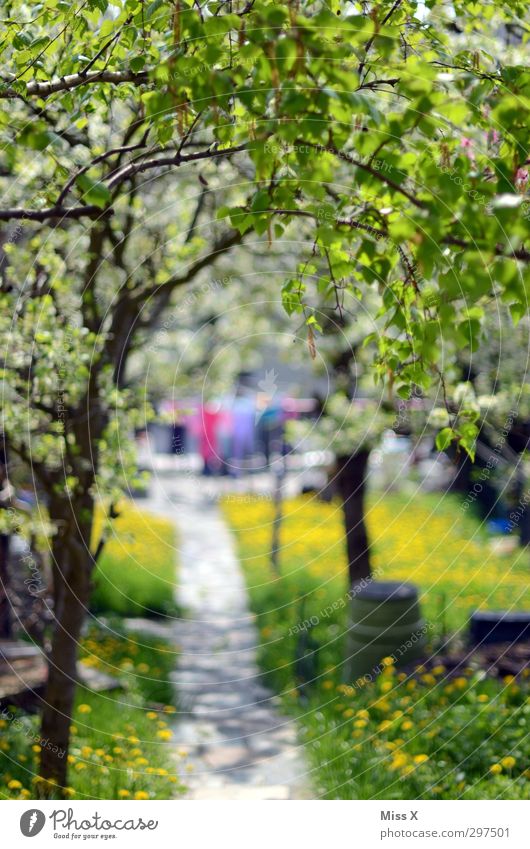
[(84, 709), (123, 794), (508, 762), (495, 769), (141, 794), (164, 735), (420, 759), (14, 784)]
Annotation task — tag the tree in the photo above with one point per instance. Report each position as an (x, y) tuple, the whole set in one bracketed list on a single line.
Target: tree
[(399, 164)]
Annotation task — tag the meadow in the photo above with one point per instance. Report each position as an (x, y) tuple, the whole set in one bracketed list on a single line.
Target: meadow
[(135, 575), (122, 743), (420, 733)]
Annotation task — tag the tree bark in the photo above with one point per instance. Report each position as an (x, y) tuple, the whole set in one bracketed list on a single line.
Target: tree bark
[(351, 478), (72, 568), (6, 630)]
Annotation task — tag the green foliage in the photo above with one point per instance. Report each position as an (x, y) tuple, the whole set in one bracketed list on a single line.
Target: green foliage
[(136, 573), (120, 738), (399, 155), (407, 735)]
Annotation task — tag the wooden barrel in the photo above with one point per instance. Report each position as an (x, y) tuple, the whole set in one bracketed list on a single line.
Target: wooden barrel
[(385, 622)]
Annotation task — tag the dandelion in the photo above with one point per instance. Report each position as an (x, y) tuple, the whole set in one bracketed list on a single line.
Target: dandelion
[(508, 762), (164, 734), (84, 709), (14, 784), (141, 794), (420, 759), (123, 794), (483, 698), (495, 769)]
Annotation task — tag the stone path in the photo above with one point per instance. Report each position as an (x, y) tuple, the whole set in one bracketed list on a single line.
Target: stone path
[(239, 745)]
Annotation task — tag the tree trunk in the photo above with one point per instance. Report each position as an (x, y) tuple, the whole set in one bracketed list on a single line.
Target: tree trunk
[(351, 477), (279, 476), (72, 567), (5, 603)]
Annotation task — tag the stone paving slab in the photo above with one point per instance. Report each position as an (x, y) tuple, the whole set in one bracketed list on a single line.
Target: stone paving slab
[(239, 745)]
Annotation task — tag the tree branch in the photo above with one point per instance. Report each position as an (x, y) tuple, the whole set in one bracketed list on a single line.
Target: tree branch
[(74, 212), (346, 157), (45, 89)]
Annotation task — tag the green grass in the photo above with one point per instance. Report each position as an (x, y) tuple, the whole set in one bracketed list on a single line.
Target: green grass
[(136, 572), (121, 739), (403, 736)]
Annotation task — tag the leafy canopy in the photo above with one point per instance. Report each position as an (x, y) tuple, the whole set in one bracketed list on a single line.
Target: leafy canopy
[(390, 137)]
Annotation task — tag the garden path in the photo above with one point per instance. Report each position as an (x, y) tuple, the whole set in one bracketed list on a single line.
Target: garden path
[(239, 745)]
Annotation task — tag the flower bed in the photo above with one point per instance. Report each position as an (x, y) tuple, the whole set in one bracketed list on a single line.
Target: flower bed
[(425, 732)]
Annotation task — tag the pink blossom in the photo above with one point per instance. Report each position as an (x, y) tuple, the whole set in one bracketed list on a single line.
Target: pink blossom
[(521, 179), (468, 144)]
